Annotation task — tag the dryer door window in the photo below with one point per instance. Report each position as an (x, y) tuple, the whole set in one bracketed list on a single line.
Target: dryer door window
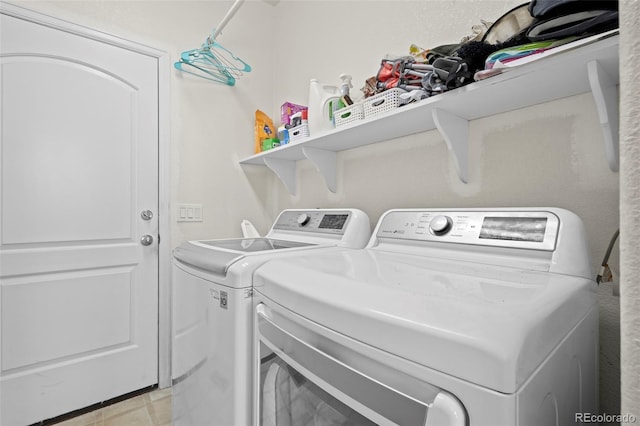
[(290, 398), (306, 379)]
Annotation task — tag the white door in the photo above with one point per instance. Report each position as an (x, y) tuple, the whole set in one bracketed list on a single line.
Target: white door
[(79, 299)]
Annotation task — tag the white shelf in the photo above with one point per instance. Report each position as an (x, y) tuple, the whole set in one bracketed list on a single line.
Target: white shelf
[(586, 68)]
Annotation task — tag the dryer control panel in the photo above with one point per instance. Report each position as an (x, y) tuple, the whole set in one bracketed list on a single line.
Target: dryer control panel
[(322, 221), (536, 230)]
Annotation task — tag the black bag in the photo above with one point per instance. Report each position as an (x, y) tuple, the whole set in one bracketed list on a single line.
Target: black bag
[(454, 65), (556, 19), (509, 26), (543, 9)]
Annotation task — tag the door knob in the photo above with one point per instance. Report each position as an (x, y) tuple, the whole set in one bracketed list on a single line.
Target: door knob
[(146, 240), (146, 214)]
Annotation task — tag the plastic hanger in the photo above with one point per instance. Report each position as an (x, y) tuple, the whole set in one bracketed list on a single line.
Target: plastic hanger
[(217, 75), (214, 57), (213, 61), (218, 52)]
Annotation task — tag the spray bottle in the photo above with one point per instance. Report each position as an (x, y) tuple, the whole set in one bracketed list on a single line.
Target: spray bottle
[(345, 99)]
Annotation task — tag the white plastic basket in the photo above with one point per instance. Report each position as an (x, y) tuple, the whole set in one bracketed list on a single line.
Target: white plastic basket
[(298, 132), (382, 102), (349, 114)]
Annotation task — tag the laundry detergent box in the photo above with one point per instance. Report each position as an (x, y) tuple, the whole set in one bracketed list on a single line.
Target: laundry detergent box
[(287, 110)]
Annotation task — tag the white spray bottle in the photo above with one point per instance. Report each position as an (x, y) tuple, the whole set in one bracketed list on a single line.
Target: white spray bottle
[(345, 99), (323, 100)]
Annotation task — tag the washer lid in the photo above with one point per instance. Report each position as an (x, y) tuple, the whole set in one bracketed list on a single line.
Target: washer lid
[(218, 255), (250, 245), (490, 325)]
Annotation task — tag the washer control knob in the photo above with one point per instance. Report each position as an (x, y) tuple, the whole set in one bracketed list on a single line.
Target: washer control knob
[(440, 225), (303, 219)]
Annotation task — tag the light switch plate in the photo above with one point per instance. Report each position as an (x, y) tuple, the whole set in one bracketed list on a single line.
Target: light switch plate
[(189, 212)]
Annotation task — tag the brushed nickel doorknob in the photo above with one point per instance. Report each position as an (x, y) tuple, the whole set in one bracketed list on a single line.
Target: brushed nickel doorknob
[(146, 240)]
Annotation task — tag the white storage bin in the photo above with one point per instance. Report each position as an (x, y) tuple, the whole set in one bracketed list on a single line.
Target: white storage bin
[(349, 114), (298, 132), (382, 102)]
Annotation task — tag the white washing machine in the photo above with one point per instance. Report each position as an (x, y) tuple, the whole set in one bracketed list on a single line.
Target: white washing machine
[(461, 317), (212, 309)]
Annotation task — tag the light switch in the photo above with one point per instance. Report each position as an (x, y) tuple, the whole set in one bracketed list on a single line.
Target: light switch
[(190, 213)]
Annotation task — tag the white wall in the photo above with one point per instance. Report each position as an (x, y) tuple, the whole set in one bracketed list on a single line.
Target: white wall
[(547, 155), (630, 207)]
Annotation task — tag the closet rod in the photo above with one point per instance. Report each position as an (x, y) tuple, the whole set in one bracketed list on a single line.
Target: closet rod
[(232, 11)]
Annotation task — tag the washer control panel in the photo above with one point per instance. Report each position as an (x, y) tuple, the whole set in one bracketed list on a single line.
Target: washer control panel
[(322, 221), (517, 229)]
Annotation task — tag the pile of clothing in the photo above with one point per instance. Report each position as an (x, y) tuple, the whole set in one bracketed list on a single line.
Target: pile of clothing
[(529, 29)]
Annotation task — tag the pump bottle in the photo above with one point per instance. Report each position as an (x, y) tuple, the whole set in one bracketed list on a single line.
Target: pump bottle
[(345, 99)]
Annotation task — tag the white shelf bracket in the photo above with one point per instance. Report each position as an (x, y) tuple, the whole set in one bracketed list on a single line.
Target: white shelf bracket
[(325, 162), (455, 131), (285, 170), (605, 94)]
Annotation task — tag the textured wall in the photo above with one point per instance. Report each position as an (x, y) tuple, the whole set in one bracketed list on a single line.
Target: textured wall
[(630, 208)]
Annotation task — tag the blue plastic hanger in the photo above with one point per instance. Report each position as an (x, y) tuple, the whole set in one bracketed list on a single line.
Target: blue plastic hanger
[(215, 50), (213, 74), (212, 61)]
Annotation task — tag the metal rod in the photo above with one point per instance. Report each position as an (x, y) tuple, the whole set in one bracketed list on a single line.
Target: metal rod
[(234, 8)]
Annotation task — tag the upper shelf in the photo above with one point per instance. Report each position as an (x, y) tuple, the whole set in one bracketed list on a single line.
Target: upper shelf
[(591, 67)]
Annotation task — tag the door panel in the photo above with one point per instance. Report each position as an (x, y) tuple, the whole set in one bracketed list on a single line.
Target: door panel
[(54, 168), (79, 293), (102, 298)]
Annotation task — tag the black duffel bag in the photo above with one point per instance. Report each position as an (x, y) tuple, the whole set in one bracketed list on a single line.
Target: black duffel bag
[(556, 19)]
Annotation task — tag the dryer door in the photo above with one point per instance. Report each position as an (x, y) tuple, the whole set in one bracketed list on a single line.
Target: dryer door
[(304, 377)]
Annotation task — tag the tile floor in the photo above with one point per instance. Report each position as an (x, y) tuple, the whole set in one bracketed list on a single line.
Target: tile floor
[(148, 409)]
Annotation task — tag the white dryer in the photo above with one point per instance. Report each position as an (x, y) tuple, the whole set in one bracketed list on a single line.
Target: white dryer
[(461, 317), (212, 309)]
